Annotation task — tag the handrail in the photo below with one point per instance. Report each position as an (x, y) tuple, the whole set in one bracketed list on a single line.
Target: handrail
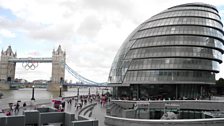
[(165, 121)]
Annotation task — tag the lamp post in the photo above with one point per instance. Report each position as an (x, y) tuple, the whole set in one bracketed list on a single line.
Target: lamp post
[(96, 90), (78, 92), (60, 91), (89, 92), (33, 93)]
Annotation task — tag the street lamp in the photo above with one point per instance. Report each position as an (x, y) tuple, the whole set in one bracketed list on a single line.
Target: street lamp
[(60, 91), (78, 92), (102, 92), (89, 92), (96, 90), (33, 93)]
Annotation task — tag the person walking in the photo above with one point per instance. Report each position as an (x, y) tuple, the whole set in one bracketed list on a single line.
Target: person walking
[(17, 107), (63, 104), (24, 105), (11, 106)]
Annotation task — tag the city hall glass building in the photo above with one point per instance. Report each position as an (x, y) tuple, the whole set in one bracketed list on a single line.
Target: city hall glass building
[(173, 54)]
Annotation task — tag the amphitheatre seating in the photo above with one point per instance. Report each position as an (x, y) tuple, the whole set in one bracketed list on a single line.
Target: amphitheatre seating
[(122, 113)]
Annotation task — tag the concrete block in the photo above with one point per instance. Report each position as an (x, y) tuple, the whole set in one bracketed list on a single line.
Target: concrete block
[(68, 119), (2, 121), (15, 120), (52, 117), (31, 116)]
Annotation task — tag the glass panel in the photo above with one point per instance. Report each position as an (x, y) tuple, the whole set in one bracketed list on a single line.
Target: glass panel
[(172, 75)]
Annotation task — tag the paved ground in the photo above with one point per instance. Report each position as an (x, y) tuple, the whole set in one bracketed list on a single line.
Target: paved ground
[(98, 113)]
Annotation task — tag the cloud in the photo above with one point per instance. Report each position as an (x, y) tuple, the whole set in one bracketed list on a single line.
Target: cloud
[(90, 26), (7, 13), (53, 33), (91, 31), (6, 33), (34, 54)]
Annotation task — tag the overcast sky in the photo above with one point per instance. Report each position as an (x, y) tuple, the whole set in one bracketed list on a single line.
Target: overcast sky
[(90, 31)]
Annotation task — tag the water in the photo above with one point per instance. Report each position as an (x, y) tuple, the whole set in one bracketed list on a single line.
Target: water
[(25, 94)]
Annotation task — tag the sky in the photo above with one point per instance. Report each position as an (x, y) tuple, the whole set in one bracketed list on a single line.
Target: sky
[(90, 31)]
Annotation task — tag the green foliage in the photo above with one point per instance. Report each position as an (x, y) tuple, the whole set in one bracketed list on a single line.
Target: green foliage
[(220, 86), (220, 82)]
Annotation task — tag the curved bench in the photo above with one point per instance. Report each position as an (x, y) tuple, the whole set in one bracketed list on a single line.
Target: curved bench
[(117, 119), (87, 109)]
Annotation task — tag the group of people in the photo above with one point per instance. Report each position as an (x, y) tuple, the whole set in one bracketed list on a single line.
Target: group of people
[(62, 106), (104, 99), (79, 102), (82, 100), (15, 108)]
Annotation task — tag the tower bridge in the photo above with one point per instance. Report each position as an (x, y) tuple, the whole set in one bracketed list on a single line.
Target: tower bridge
[(58, 60)]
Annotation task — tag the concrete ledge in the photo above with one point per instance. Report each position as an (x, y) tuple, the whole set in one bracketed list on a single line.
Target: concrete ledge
[(117, 121), (3, 120), (68, 119), (52, 117), (32, 116), (15, 121), (47, 109), (82, 118), (85, 123)]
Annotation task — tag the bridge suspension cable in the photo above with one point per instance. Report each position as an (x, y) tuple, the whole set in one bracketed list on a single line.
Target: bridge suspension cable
[(80, 77)]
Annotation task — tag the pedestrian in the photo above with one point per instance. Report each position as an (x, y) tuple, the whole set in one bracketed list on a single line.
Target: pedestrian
[(10, 106), (82, 100), (76, 103), (60, 108), (63, 104), (69, 101), (24, 105), (85, 101), (90, 100), (17, 107)]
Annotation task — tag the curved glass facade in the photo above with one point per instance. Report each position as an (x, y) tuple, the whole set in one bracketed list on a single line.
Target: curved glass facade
[(180, 47)]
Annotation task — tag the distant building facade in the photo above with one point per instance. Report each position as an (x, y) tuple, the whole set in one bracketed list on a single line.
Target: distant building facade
[(174, 54)]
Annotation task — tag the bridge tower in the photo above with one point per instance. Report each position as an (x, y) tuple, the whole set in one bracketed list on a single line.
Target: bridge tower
[(7, 69), (58, 70)]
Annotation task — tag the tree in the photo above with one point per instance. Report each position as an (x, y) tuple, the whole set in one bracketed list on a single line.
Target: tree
[(220, 86)]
